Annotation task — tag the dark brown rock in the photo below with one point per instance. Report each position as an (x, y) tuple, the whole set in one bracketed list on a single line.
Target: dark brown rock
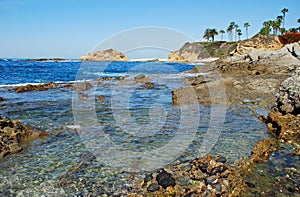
[(40, 87), (165, 179)]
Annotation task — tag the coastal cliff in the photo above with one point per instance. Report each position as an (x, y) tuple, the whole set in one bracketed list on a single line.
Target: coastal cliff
[(104, 56), (192, 52)]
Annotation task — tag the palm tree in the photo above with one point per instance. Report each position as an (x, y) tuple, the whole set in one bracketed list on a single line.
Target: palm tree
[(222, 32), (229, 31), (282, 30), (284, 10), (279, 21), (213, 33), (276, 27), (207, 34), (239, 33), (292, 30), (236, 26), (246, 25), (266, 29), (210, 33)]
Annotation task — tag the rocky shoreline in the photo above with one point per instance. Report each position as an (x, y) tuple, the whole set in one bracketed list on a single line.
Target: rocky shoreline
[(258, 81), (264, 78)]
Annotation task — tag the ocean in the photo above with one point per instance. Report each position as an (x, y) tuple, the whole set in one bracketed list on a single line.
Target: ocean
[(103, 139)]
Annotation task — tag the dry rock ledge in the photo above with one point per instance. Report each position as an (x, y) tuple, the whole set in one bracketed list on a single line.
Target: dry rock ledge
[(14, 136), (104, 56)]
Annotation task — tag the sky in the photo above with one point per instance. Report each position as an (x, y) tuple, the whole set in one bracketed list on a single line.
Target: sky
[(69, 28)]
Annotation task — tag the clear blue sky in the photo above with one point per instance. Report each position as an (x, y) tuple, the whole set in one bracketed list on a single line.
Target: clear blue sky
[(69, 28)]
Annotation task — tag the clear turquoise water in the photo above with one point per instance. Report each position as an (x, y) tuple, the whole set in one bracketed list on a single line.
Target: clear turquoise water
[(39, 168)]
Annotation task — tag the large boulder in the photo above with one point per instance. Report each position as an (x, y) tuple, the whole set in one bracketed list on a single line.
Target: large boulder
[(288, 97), (104, 56)]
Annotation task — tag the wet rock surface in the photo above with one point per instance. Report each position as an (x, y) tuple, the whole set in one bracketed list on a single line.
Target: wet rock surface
[(40, 87), (14, 135), (206, 176), (232, 84)]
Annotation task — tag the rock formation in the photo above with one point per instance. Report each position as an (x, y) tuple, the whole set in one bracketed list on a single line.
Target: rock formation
[(288, 97), (288, 55), (13, 136), (196, 51), (104, 56), (39, 87), (284, 119), (258, 42), (176, 57)]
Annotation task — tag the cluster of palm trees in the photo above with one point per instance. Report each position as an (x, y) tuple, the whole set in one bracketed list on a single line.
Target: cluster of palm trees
[(276, 25), (233, 29)]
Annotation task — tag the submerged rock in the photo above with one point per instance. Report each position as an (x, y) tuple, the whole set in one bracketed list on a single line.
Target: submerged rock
[(14, 135), (83, 86), (153, 187)]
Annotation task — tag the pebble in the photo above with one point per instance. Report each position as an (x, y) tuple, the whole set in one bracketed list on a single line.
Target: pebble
[(165, 179), (221, 159), (250, 185), (210, 180), (148, 178), (218, 170), (217, 187), (204, 167), (153, 187)]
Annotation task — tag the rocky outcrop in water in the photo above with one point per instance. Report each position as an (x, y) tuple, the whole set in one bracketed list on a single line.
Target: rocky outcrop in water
[(14, 135), (39, 87), (47, 60), (104, 56)]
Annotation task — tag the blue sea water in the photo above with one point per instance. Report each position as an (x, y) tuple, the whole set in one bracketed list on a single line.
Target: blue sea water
[(126, 108), (21, 72)]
